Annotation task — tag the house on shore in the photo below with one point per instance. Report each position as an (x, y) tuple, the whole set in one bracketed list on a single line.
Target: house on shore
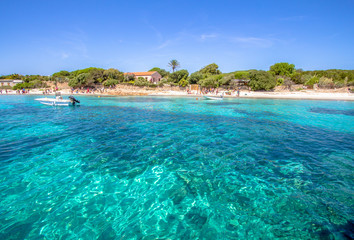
[(153, 77), (9, 82)]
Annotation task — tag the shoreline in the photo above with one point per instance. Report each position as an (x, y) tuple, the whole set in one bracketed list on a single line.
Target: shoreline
[(332, 96), (296, 95)]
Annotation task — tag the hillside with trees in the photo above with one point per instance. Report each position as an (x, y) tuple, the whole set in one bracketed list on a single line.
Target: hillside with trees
[(279, 74)]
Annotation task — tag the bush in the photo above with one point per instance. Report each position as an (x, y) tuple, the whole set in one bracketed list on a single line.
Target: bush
[(141, 82), (262, 80), (38, 84), (110, 82), (325, 82), (183, 82), (280, 81), (79, 81), (32, 84), (129, 77), (226, 80), (339, 85), (242, 75), (288, 83), (211, 81), (61, 74), (22, 85), (167, 82), (163, 81), (297, 78), (282, 69), (306, 77), (194, 78), (212, 69), (313, 80), (109, 74), (85, 70), (153, 85), (178, 76)]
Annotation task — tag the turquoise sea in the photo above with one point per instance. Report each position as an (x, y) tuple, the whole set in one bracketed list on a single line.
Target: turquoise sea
[(176, 168)]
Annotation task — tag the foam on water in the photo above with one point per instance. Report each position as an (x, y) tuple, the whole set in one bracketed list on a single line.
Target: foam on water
[(156, 167)]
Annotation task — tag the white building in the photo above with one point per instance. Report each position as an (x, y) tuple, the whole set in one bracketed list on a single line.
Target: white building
[(9, 82), (153, 77)]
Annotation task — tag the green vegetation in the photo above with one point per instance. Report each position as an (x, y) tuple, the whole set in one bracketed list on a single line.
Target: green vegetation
[(177, 76), (280, 81), (12, 76), (141, 82), (183, 82), (162, 72), (79, 81), (90, 77), (279, 74), (242, 75), (282, 69), (174, 64), (227, 79), (262, 80), (208, 76), (110, 82), (325, 82), (194, 78), (22, 85), (312, 80), (129, 78), (211, 69), (212, 81)]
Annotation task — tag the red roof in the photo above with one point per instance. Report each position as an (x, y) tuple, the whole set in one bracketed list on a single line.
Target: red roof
[(140, 73)]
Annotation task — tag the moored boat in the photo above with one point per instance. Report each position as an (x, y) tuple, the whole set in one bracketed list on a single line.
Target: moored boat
[(214, 97), (58, 100)]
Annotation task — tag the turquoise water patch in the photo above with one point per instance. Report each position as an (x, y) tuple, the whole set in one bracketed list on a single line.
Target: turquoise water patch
[(155, 167), (332, 111)]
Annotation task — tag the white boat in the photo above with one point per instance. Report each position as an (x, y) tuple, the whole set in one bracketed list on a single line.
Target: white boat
[(213, 97), (58, 100)]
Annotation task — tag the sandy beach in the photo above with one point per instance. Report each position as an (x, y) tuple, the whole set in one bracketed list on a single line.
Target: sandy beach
[(308, 94)]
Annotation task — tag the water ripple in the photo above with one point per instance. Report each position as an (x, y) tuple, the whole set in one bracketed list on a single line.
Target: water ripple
[(147, 168)]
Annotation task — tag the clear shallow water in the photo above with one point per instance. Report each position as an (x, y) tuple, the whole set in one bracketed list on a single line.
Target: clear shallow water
[(156, 167)]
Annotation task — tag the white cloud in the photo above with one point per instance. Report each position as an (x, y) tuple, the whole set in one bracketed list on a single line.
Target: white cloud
[(164, 44), (206, 36)]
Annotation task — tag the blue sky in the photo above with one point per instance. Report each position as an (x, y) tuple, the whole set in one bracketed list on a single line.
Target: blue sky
[(43, 37)]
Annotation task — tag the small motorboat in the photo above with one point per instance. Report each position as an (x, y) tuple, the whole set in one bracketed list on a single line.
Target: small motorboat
[(58, 100), (214, 97)]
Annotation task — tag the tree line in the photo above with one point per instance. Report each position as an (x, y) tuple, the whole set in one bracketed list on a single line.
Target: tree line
[(279, 74)]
